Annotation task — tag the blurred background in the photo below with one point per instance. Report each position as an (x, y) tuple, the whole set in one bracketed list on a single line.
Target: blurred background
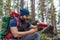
[(47, 11)]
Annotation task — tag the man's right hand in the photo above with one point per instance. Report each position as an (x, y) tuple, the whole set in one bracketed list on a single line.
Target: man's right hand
[(33, 30)]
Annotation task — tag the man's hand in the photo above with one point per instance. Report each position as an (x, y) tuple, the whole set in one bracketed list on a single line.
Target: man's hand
[(33, 26), (33, 30)]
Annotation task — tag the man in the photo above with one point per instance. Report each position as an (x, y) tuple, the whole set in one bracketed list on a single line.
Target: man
[(26, 31)]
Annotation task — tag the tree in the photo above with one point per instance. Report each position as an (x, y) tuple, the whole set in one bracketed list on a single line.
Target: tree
[(1, 4), (59, 18), (18, 5), (59, 14), (7, 7), (21, 3), (33, 9), (53, 16), (42, 8)]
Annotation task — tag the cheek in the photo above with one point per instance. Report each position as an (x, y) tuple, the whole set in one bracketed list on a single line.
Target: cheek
[(23, 17), (26, 17)]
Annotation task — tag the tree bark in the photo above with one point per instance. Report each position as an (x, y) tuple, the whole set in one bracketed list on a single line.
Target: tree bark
[(33, 9), (7, 8), (42, 8), (21, 3), (53, 17)]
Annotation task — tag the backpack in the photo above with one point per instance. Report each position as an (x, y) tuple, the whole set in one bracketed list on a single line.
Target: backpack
[(5, 26)]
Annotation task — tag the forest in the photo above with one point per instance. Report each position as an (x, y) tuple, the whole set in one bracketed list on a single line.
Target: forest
[(41, 10)]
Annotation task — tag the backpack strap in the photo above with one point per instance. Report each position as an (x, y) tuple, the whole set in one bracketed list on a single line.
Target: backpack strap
[(18, 21)]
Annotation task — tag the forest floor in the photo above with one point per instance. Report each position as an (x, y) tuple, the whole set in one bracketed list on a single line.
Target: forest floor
[(57, 37)]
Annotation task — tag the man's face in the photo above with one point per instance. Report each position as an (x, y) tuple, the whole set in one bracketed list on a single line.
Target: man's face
[(24, 17)]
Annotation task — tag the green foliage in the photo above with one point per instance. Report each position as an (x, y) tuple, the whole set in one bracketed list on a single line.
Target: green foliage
[(43, 36), (58, 31), (1, 2), (1, 7), (50, 1), (0, 12)]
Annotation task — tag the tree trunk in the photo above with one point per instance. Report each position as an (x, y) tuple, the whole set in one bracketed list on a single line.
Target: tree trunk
[(21, 3), (18, 6), (1, 4), (42, 8), (7, 8), (53, 16), (33, 9)]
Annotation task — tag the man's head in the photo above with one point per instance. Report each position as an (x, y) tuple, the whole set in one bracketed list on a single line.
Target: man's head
[(24, 13)]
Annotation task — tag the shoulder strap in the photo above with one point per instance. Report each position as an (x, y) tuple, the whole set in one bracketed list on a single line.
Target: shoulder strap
[(17, 20)]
